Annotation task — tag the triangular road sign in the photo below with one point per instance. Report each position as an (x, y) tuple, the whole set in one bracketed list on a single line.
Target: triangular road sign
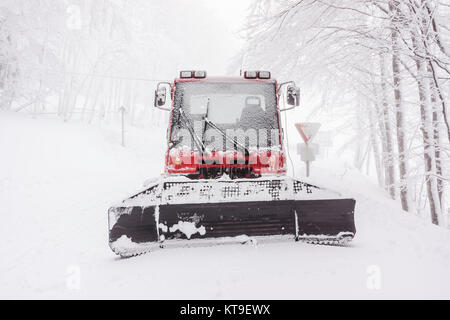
[(308, 130)]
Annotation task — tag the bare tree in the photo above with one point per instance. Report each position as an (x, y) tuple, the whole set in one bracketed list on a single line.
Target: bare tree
[(398, 102)]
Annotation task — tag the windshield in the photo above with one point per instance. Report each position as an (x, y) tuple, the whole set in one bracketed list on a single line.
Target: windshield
[(245, 112)]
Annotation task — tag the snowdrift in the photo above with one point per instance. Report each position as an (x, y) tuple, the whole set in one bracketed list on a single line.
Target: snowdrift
[(58, 179)]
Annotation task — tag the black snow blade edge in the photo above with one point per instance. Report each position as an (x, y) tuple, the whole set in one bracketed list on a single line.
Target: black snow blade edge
[(303, 219)]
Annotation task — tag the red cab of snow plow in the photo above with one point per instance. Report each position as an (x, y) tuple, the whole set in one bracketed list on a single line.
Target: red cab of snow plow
[(225, 125), (225, 173)]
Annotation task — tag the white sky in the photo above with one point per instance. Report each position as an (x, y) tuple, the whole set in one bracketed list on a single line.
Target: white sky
[(224, 41)]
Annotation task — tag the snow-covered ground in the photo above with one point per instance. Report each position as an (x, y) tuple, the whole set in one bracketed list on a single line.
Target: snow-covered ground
[(58, 179)]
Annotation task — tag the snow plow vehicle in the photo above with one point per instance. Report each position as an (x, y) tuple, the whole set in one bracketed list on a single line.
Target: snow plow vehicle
[(225, 173)]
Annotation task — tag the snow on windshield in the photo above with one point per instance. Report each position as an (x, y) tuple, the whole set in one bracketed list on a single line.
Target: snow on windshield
[(245, 111), (227, 108)]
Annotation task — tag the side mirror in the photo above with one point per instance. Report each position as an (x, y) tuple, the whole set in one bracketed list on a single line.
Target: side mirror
[(292, 99), (293, 96), (161, 96)]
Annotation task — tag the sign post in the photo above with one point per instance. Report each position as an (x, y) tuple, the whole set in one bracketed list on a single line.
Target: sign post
[(122, 110), (307, 169), (308, 150)]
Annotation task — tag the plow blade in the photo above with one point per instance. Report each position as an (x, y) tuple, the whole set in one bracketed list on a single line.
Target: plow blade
[(137, 226)]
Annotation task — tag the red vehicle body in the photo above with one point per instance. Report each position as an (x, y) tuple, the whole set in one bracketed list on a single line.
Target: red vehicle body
[(236, 163)]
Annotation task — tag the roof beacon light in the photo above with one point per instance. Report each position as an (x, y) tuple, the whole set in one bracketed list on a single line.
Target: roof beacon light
[(200, 74), (264, 75), (186, 74), (250, 74)]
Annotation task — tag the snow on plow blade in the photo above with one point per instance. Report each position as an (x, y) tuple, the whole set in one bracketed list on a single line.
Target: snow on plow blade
[(185, 212)]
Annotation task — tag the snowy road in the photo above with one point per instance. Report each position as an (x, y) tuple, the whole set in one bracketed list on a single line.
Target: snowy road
[(57, 181)]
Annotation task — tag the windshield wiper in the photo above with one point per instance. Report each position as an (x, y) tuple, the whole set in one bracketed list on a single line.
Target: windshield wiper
[(198, 142), (227, 137)]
